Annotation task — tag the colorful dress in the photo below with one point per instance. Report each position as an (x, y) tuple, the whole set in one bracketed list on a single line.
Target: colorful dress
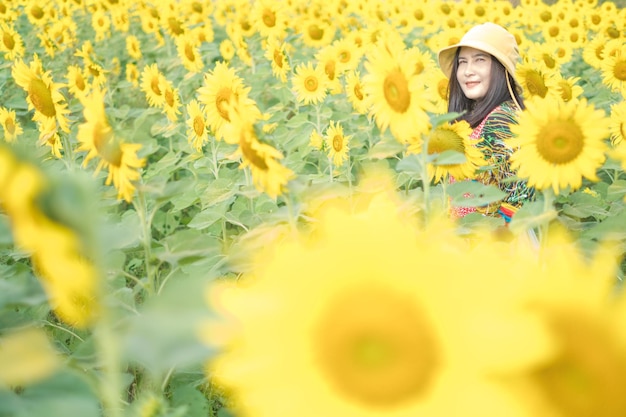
[(494, 131)]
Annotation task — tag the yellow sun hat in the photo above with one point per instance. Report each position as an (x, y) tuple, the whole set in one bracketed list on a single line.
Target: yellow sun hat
[(488, 37)]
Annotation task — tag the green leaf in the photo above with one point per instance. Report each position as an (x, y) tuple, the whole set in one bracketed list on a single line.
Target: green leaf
[(187, 245), (479, 194), (210, 215), (385, 149), (448, 157), (531, 215), (438, 120), (410, 164), (192, 400), (616, 191)]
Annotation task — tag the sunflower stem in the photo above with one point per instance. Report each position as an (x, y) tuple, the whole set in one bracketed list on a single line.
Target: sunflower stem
[(142, 212), (108, 352), (548, 205), (425, 179)]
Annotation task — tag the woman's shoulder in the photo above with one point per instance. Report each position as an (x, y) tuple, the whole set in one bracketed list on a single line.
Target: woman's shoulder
[(506, 111), (496, 124)]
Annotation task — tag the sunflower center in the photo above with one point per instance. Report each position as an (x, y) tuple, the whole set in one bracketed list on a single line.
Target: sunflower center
[(107, 147), (337, 143), (311, 83), (41, 97), (418, 14), (222, 100), (175, 26), (8, 40), (419, 68), (536, 85), (566, 90), (9, 125), (442, 89), (554, 31), (545, 16), (613, 33), (269, 18), (376, 347), (189, 53), (36, 12), (344, 56), (80, 82), (315, 32), (560, 142), (619, 70), (549, 61), (198, 126), (169, 97), (251, 155), (196, 7), (357, 91), (588, 375), (278, 58), (480, 11), (396, 89), (329, 68), (443, 140)]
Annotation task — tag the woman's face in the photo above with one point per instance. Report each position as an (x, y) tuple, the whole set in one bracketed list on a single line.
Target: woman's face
[(474, 72)]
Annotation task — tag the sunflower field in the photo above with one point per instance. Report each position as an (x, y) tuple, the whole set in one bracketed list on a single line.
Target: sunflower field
[(242, 208)]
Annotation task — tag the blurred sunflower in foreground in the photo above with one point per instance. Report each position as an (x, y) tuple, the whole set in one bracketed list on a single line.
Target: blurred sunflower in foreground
[(367, 316)]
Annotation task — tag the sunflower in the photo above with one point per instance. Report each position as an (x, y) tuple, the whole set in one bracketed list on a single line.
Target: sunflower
[(222, 89), (12, 44), (268, 174), (316, 140), (227, 49), (327, 59), (337, 143), (49, 136), (537, 80), (614, 71), (574, 296), (568, 89), (133, 47), (316, 32), (593, 51), (275, 53), (12, 128), (269, 18), (618, 122), (132, 74), (355, 93), (197, 134), (396, 96), (43, 94), (347, 54), (558, 143), (101, 24), (96, 73), (371, 327), (28, 356), (189, 53), (96, 137), (77, 83), (171, 104), (309, 83), (152, 83), (452, 137)]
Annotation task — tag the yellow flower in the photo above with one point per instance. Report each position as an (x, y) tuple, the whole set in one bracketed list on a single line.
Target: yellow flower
[(171, 104), (197, 134), (227, 49), (355, 93), (374, 324), (614, 71), (12, 128), (101, 24), (268, 174), (309, 83), (269, 18), (618, 122), (337, 143), (77, 81), (152, 84), (574, 295), (96, 137), (558, 143), (133, 47), (189, 53), (132, 74), (536, 80), (43, 94), (316, 140), (12, 44), (222, 89), (275, 53), (396, 96), (568, 89)]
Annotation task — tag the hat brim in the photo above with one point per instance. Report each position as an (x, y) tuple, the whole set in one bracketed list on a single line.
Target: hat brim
[(446, 56)]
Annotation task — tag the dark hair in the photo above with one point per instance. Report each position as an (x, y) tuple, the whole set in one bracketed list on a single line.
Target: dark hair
[(474, 111)]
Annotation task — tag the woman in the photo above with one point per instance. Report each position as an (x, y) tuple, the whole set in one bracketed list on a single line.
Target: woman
[(483, 88)]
